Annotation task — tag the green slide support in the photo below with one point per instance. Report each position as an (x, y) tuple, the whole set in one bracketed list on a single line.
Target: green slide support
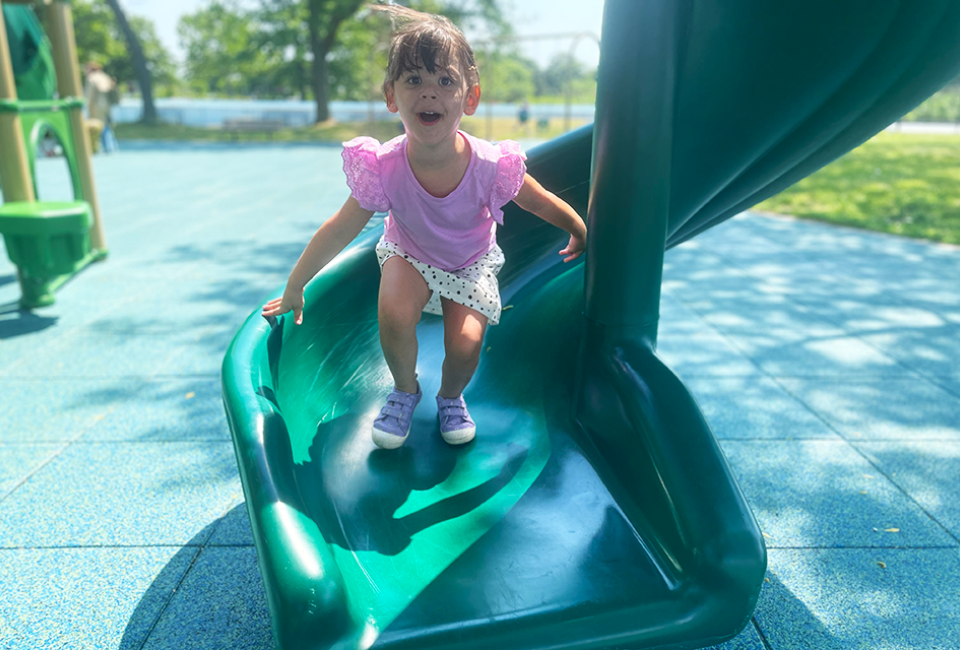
[(595, 508)]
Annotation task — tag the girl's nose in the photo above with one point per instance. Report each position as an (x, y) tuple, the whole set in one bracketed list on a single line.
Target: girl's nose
[(429, 94)]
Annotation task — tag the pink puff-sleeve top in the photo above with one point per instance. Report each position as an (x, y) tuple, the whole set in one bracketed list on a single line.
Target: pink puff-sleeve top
[(449, 232)]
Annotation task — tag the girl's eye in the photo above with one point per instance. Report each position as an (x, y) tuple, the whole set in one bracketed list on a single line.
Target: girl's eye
[(446, 81), (413, 80)]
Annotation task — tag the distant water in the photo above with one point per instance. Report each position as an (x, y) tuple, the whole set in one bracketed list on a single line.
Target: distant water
[(215, 112)]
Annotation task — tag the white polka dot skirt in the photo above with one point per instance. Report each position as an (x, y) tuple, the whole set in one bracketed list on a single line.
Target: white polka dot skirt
[(473, 286)]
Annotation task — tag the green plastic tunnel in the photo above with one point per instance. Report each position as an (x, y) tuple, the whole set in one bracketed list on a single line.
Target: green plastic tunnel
[(595, 509)]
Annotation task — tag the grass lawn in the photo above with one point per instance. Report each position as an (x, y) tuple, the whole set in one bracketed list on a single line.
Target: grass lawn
[(904, 184), (495, 129)]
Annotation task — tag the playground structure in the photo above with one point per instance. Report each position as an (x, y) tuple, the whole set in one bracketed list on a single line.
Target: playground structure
[(48, 241), (595, 509)]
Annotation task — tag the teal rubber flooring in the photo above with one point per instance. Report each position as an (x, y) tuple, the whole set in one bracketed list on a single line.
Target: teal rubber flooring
[(826, 360)]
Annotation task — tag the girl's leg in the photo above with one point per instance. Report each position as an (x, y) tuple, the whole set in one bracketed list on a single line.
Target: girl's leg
[(463, 330), (403, 295)]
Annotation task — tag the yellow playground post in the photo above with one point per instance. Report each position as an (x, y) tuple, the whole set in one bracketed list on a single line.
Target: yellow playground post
[(48, 241)]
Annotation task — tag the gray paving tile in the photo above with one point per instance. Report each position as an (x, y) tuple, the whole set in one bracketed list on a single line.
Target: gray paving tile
[(24, 334), (750, 313), (19, 461), (826, 352), (91, 598), (838, 599), (53, 410), (880, 313), (749, 639), (891, 409), (221, 604), (676, 317), (122, 494), (701, 354), (162, 410), (754, 406), (929, 350), (200, 352), (85, 354), (234, 528), (927, 471), (822, 493), (949, 384)]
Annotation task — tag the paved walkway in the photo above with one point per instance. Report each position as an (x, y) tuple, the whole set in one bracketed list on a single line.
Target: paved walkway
[(827, 361)]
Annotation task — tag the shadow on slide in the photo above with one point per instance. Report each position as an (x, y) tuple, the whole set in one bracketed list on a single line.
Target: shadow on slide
[(595, 508)]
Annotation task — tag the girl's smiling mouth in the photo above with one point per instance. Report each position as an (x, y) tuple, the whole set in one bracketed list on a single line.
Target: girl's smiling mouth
[(429, 118)]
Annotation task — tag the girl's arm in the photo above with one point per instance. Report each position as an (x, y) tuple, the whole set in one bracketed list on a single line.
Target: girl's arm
[(331, 238), (548, 206)]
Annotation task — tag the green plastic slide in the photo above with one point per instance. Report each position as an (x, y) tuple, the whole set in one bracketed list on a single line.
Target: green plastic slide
[(595, 508), (30, 53)]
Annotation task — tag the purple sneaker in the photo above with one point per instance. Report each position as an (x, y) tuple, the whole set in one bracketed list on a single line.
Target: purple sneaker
[(391, 427), (456, 425)]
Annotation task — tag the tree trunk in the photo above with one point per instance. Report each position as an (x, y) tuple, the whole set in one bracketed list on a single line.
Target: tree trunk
[(144, 80), (321, 84), (318, 72), (324, 20), (302, 79)]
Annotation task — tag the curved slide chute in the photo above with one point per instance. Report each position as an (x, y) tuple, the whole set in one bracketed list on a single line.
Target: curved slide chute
[(595, 508)]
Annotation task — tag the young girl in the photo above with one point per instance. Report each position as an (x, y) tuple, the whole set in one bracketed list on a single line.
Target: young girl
[(444, 190)]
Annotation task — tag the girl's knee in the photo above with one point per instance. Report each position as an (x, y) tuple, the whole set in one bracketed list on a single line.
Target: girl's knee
[(397, 315), (403, 294), (463, 346)]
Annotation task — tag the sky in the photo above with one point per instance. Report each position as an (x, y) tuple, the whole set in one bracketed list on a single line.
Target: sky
[(529, 17)]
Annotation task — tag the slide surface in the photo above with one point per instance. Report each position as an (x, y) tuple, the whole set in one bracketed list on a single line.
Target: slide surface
[(594, 509)]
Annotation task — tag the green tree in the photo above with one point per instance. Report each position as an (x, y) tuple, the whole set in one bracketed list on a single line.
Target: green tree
[(564, 74), (282, 34), (327, 49), (99, 39), (506, 76), (222, 57), (562, 69), (358, 63), (345, 67)]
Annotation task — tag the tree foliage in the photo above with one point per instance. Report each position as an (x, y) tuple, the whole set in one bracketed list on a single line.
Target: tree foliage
[(506, 76), (563, 72), (273, 50), (99, 39), (223, 56), (282, 34)]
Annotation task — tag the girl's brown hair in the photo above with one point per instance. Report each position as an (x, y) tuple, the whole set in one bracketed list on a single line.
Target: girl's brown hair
[(426, 41)]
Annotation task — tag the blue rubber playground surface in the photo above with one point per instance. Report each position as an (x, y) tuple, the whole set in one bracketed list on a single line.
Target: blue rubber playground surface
[(826, 360)]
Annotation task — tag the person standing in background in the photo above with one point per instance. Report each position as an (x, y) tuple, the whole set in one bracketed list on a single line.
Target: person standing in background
[(100, 91)]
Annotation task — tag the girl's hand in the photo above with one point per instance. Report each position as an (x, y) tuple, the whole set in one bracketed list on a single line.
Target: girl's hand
[(289, 301), (574, 249)]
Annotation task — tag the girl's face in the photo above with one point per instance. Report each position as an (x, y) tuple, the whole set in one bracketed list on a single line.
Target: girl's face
[(431, 104)]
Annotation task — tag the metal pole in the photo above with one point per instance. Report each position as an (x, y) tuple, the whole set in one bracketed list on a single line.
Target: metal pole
[(15, 179)]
